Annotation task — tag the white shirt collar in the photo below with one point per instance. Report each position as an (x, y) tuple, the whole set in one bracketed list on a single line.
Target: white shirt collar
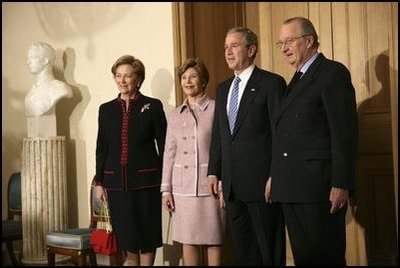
[(308, 63), (245, 75)]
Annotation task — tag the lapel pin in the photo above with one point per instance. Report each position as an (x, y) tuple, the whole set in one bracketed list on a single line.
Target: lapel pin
[(253, 89)]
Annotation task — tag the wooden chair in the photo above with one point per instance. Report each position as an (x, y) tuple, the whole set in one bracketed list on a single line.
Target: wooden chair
[(75, 242), (12, 228)]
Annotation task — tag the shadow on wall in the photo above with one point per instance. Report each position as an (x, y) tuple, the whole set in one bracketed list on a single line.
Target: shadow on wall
[(373, 205), (71, 111), (162, 88), (62, 21)]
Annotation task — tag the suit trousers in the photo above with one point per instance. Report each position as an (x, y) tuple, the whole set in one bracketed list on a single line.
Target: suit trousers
[(258, 232), (316, 236)]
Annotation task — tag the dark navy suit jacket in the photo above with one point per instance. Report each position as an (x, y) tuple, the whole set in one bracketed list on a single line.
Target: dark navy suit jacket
[(242, 160), (316, 135)]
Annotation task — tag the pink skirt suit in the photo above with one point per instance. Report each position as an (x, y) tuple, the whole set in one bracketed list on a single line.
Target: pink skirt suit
[(197, 218)]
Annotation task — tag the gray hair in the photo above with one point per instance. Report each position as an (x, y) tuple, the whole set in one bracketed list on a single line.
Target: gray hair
[(307, 28)]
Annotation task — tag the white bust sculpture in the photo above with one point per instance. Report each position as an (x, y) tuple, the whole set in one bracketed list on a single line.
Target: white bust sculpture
[(41, 100)]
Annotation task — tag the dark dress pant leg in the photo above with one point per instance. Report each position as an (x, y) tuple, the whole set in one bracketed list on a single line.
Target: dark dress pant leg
[(316, 236), (269, 226), (243, 237)]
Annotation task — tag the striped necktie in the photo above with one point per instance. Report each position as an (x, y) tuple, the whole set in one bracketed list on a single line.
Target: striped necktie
[(233, 105)]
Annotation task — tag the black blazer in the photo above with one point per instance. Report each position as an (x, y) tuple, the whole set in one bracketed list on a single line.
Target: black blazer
[(242, 160), (316, 135), (147, 124)]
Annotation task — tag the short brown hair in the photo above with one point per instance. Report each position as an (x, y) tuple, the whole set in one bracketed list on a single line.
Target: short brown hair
[(199, 66), (137, 65)]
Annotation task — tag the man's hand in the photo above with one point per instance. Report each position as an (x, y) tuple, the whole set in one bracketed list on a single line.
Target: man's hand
[(338, 198), (212, 185), (221, 200), (267, 192)]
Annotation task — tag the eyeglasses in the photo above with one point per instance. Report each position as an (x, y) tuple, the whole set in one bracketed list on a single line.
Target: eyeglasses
[(289, 41)]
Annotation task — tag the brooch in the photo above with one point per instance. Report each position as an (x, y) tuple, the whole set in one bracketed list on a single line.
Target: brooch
[(145, 107)]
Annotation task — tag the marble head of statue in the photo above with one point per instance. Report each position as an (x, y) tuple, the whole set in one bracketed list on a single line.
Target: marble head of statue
[(42, 98)]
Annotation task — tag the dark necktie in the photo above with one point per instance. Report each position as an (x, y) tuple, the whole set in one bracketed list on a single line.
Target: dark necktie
[(295, 79)]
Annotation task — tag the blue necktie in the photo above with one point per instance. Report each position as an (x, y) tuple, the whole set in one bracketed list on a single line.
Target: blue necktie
[(233, 105)]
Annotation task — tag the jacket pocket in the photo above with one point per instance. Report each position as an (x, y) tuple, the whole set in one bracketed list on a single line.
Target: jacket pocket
[(177, 175), (203, 174), (144, 177), (108, 174), (145, 170)]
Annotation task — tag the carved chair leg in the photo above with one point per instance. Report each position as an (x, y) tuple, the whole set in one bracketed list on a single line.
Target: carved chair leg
[(51, 257), (93, 260), (81, 259), (10, 250)]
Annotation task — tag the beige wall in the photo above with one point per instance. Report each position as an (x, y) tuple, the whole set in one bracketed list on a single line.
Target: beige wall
[(88, 38)]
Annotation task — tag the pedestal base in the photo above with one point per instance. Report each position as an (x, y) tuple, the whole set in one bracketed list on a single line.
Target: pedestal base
[(44, 195), (41, 261)]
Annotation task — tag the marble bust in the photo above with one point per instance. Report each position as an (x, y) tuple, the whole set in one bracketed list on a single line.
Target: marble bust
[(42, 98)]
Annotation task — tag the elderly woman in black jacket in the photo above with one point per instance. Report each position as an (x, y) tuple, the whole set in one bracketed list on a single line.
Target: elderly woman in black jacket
[(129, 153)]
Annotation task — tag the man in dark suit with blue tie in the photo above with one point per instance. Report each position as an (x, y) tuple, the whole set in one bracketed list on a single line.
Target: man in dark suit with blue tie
[(313, 166), (240, 152)]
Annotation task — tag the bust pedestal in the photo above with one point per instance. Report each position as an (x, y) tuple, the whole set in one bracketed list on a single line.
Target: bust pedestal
[(44, 195), (42, 126)]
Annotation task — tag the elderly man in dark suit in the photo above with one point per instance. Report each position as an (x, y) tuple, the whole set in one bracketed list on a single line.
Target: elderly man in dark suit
[(240, 152), (313, 166)]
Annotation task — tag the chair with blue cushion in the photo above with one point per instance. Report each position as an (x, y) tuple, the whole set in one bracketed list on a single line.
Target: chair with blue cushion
[(12, 227), (75, 242)]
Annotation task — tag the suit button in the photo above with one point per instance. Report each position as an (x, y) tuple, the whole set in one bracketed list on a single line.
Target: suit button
[(285, 154), (185, 166), (184, 138), (185, 152), (286, 135)]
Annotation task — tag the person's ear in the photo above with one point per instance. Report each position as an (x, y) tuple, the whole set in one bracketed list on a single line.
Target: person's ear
[(252, 50), (46, 61), (310, 41)]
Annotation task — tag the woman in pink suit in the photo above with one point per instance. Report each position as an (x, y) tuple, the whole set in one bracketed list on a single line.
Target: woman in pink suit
[(198, 218)]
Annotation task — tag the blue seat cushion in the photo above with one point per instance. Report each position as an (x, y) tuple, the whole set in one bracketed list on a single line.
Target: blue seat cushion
[(78, 238), (11, 229)]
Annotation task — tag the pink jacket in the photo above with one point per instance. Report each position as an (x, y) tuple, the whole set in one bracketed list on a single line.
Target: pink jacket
[(187, 147)]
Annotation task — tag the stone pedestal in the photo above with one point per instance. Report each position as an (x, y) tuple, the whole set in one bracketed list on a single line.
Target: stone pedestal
[(44, 195), (42, 126)]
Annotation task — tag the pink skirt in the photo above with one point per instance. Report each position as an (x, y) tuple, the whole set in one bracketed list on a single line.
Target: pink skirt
[(198, 220)]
